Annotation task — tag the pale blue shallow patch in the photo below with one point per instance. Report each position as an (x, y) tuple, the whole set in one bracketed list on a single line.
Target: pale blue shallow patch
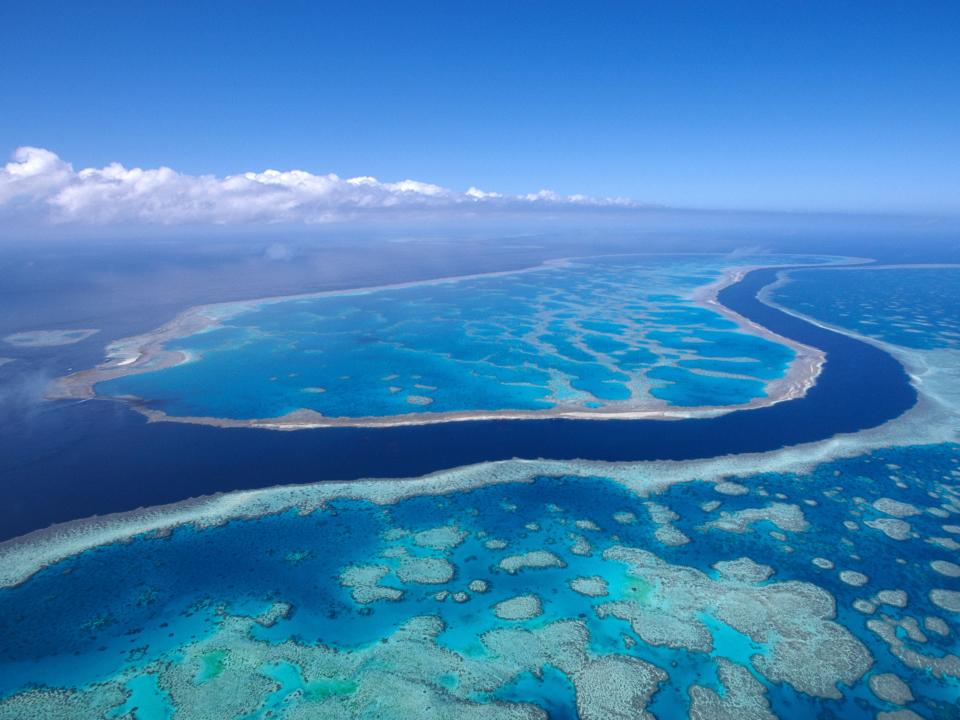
[(146, 702), (114, 609), (913, 307), (595, 333)]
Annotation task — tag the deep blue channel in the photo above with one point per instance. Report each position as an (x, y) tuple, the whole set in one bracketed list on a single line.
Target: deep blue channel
[(77, 460)]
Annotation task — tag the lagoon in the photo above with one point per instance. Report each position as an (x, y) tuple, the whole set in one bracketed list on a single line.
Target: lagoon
[(607, 337)]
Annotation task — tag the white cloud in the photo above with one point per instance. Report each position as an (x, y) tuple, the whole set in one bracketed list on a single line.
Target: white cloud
[(37, 186)]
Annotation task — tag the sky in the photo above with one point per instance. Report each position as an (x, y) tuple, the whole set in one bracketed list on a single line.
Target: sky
[(811, 106)]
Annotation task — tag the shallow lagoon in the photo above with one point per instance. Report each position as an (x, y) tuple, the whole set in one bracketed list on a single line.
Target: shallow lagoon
[(615, 333)]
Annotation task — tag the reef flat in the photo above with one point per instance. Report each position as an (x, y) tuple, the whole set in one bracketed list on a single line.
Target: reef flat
[(48, 338), (622, 336), (911, 306), (879, 316), (418, 609)]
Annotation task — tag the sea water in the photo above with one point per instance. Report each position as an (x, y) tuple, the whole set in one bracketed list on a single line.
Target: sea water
[(613, 333)]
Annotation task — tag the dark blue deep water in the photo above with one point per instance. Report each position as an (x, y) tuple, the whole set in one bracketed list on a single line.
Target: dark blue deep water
[(101, 457)]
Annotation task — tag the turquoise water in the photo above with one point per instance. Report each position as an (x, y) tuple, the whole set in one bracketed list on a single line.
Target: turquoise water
[(605, 333), (391, 611), (181, 624), (916, 308)]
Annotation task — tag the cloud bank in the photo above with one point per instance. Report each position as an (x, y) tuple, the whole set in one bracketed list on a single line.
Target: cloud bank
[(37, 186)]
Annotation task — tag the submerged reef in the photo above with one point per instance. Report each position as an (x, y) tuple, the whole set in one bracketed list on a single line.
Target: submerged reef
[(912, 307), (47, 338), (625, 336), (477, 603)]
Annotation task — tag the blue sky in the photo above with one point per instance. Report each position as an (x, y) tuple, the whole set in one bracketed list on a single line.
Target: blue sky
[(768, 105)]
